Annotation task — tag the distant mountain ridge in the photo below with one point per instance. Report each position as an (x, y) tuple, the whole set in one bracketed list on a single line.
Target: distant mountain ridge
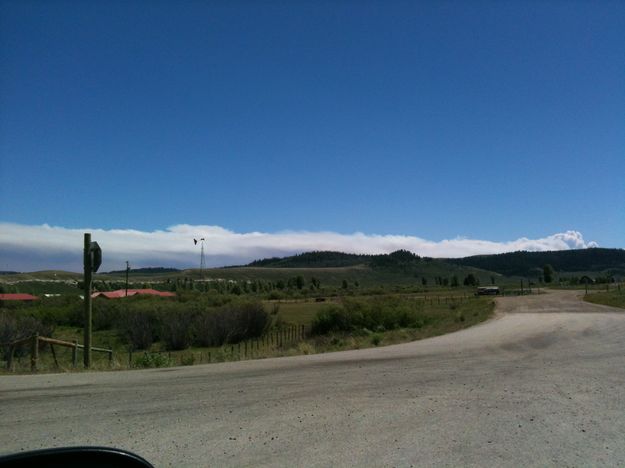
[(314, 259), (521, 263), (524, 263), (331, 259), (145, 271)]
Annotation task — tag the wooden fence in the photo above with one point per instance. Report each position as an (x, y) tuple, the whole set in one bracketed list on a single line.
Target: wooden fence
[(248, 349), (34, 341)]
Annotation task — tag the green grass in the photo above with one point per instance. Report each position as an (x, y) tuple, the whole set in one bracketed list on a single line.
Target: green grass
[(614, 298), (297, 313)]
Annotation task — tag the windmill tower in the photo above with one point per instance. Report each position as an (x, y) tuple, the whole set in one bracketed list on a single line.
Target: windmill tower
[(202, 260)]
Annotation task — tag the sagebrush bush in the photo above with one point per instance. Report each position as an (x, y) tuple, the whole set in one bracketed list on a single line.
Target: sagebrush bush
[(380, 314), (179, 325), (231, 323), (376, 339), (107, 314), (152, 360), (331, 319), (15, 326), (138, 329), (176, 330)]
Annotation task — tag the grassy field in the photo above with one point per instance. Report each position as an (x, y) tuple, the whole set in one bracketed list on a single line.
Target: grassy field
[(357, 277)]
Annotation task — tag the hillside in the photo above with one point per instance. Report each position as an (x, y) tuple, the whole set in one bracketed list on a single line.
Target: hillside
[(400, 259), (598, 260), (315, 259), (144, 271), (333, 269)]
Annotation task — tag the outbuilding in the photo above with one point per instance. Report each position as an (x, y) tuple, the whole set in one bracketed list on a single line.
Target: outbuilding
[(132, 292), (18, 297)]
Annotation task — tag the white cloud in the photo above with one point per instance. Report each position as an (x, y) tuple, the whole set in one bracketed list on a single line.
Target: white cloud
[(28, 248)]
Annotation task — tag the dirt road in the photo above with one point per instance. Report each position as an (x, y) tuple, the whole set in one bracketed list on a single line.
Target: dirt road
[(543, 384)]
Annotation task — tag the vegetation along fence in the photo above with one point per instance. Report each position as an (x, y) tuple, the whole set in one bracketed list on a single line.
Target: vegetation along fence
[(34, 342), (276, 340)]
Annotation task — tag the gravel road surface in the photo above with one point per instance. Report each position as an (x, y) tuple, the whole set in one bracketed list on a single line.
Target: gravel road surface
[(542, 384)]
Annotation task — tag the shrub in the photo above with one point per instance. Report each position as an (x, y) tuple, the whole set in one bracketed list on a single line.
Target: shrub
[(187, 359), (15, 327), (153, 360), (138, 328), (243, 320), (176, 330), (331, 319), (381, 313), (205, 329), (231, 323), (376, 339), (106, 314), (305, 348)]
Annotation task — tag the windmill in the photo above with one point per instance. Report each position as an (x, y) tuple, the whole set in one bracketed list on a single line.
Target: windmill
[(202, 260)]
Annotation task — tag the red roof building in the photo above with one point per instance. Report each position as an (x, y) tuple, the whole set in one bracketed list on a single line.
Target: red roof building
[(132, 292), (18, 297)]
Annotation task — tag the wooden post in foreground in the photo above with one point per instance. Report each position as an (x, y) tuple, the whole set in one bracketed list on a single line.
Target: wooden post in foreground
[(87, 281)]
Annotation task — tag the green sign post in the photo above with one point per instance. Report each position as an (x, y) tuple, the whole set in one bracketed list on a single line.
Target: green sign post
[(92, 256)]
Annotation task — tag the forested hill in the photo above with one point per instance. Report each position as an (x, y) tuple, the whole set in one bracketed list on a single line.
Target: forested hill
[(508, 264), (401, 259), (146, 271), (527, 263), (315, 259)]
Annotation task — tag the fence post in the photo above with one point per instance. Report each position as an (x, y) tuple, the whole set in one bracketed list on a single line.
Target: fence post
[(56, 362), (75, 354), (111, 357), (129, 357), (34, 352), (10, 360)]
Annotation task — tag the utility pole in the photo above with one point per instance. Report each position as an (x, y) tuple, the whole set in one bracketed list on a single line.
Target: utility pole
[(127, 271)]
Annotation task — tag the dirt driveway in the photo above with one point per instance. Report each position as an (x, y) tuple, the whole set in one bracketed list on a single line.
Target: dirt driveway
[(542, 384)]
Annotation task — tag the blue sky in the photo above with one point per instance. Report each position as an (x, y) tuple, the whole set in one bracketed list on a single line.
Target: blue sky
[(481, 120)]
